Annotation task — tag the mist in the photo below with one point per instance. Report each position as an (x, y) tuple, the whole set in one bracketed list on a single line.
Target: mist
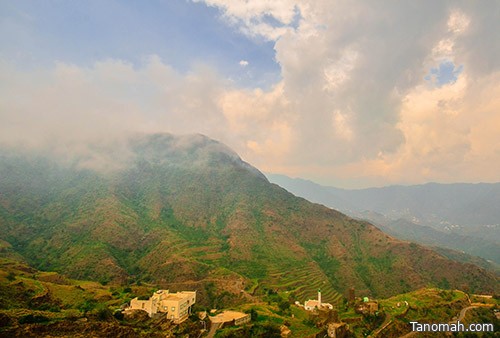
[(367, 96)]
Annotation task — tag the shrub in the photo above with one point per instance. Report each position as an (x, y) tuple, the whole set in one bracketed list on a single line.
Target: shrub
[(103, 312), (253, 315), (87, 306), (118, 315), (284, 305), (30, 319), (11, 276)]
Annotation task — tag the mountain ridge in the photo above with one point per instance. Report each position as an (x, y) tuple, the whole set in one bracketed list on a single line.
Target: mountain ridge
[(187, 210), (427, 207)]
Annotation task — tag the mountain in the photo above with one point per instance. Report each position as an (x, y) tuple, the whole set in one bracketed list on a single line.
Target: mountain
[(463, 217), (187, 211)]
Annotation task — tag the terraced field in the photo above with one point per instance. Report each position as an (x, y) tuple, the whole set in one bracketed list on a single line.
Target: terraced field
[(304, 283)]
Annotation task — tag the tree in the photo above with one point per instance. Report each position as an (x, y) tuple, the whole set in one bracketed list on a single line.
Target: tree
[(253, 314), (103, 312), (87, 306)]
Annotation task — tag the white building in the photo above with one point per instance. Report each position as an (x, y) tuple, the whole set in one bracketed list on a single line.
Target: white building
[(313, 304), (177, 306)]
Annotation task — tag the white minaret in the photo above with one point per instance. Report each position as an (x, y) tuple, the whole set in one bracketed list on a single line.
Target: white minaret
[(319, 298)]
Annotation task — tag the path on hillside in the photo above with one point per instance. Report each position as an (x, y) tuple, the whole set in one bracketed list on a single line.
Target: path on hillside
[(213, 328), (472, 306), (388, 321)]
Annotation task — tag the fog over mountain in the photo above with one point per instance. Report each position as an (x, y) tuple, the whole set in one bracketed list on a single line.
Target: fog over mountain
[(183, 209), (336, 92)]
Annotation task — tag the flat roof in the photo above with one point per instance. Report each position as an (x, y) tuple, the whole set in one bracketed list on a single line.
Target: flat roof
[(228, 316)]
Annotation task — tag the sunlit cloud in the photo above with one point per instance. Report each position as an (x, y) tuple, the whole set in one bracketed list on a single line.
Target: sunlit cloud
[(367, 94)]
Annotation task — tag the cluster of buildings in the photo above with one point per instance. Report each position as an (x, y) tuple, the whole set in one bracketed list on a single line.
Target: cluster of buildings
[(176, 306)]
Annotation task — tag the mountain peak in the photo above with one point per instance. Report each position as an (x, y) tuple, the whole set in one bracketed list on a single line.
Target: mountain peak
[(166, 145), (188, 150)]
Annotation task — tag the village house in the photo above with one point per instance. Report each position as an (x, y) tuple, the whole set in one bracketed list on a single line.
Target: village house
[(367, 307), (176, 306)]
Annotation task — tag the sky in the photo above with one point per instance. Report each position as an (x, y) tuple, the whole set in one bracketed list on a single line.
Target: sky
[(351, 94)]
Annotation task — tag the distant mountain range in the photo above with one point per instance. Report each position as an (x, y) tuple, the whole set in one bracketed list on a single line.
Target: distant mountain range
[(464, 217), (186, 210)]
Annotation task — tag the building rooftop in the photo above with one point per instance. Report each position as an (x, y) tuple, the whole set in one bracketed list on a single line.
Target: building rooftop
[(311, 302), (227, 316)]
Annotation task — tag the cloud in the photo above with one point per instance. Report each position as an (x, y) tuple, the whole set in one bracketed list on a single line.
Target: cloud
[(369, 94), (354, 74), (258, 18), (83, 112), (260, 122), (67, 108), (451, 134)]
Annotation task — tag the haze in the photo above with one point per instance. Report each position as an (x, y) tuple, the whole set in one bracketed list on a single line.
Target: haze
[(351, 94)]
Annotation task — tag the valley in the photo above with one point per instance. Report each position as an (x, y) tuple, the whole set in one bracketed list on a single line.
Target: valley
[(461, 217)]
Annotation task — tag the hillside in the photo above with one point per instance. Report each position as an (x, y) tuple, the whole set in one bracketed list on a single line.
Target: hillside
[(182, 210), (462, 217), (46, 304)]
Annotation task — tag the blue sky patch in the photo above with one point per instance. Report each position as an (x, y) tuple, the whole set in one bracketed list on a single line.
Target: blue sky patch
[(182, 33), (444, 74)]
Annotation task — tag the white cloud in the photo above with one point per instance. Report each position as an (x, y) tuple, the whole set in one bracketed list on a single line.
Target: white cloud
[(264, 18), (353, 74), (341, 125), (69, 105), (458, 22), (352, 102), (337, 72)]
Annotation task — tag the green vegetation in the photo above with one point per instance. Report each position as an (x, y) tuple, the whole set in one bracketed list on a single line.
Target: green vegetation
[(191, 216), (100, 305), (257, 330)]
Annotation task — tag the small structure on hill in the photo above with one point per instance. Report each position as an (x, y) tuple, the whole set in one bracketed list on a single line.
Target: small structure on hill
[(285, 331), (351, 297), (337, 330), (313, 304), (176, 306), (231, 317), (367, 307)]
